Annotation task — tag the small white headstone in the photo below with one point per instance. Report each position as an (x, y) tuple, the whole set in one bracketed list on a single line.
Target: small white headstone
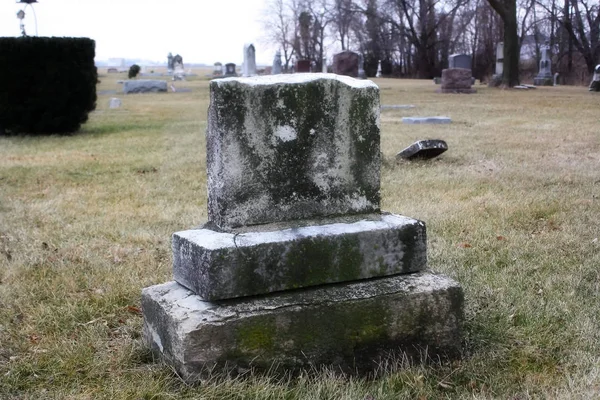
[(249, 67), (114, 103)]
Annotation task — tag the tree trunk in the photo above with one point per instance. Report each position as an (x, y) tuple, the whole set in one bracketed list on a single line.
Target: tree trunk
[(510, 75), (507, 10)]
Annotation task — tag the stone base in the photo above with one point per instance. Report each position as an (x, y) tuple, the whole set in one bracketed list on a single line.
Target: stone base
[(495, 81), (543, 81), (222, 265), (144, 86), (426, 120), (351, 326), (457, 90)]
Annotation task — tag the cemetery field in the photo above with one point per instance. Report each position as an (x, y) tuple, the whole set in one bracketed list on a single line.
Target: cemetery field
[(512, 211)]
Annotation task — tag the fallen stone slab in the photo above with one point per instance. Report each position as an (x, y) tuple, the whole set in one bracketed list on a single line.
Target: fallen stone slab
[(221, 265), (423, 149), (396, 106), (351, 326), (144, 86), (426, 120)]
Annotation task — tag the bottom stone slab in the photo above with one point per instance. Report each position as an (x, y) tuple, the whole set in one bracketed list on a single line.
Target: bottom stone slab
[(352, 326)]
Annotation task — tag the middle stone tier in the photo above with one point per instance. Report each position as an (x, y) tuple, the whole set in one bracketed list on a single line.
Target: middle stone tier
[(222, 265)]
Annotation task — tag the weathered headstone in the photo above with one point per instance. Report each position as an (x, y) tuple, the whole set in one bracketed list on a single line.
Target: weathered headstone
[(276, 63), (361, 67), (456, 80), (459, 61), (114, 102), (544, 76), (230, 70), (499, 70), (144, 86), (595, 83), (346, 63), (293, 191), (178, 68), (302, 66), (423, 149), (378, 74), (218, 69), (249, 67), (324, 65), (556, 75), (426, 120), (170, 63)]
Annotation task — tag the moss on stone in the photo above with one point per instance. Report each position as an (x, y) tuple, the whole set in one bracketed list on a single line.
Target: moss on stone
[(256, 335)]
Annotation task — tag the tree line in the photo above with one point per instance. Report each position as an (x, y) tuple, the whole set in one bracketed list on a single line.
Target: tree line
[(414, 38)]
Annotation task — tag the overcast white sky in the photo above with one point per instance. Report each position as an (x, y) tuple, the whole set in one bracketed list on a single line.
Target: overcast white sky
[(202, 31)]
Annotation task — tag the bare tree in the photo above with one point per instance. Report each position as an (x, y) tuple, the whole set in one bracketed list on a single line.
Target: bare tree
[(507, 10), (279, 23)]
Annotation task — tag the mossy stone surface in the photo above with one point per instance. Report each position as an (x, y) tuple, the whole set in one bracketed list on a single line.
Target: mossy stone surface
[(222, 265), (351, 326), (292, 147)]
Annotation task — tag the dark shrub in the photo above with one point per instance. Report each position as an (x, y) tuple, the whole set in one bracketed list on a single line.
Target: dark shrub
[(47, 84), (133, 71)]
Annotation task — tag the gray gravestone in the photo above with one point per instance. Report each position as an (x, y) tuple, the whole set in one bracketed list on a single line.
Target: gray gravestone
[(218, 69), (144, 86), (500, 58), (114, 103), (249, 67), (595, 83), (499, 70), (346, 63), (361, 67), (170, 62), (230, 70), (378, 75), (423, 149), (334, 165), (324, 65), (276, 69), (459, 61), (293, 191), (544, 76)]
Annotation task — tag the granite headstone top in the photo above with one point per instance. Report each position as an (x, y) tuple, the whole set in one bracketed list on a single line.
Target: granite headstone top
[(459, 61), (423, 149), (301, 146), (346, 63)]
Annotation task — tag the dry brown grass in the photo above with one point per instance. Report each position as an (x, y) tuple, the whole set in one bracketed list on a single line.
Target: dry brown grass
[(511, 209)]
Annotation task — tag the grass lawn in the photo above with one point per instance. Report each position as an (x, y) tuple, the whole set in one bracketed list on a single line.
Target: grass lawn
[(512, 211)]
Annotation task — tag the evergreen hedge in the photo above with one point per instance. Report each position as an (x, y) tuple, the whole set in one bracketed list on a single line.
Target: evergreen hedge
[(47, 84)]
